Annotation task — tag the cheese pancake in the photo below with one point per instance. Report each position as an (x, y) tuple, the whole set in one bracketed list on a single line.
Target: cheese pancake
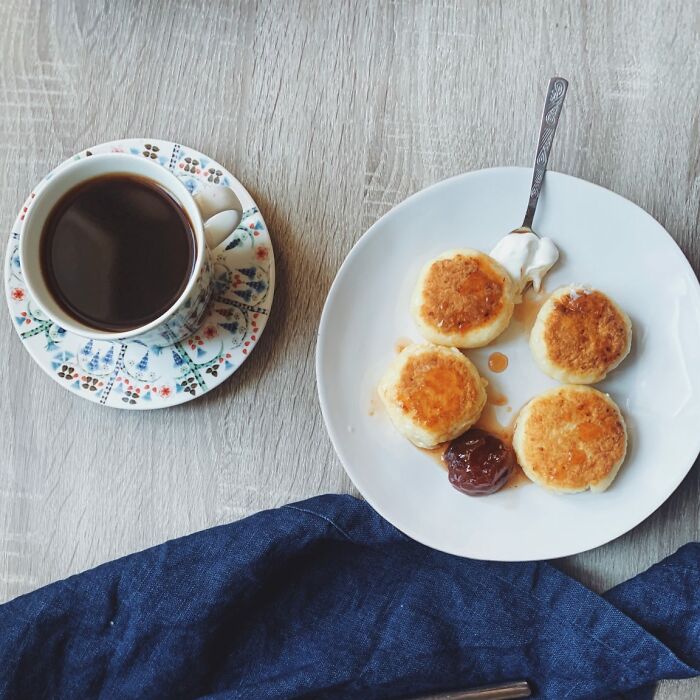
[(570, 439), (463, 298), (580, 335), (432, 394)]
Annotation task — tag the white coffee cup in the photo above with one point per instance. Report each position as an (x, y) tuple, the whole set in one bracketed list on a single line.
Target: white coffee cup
[(214, 213)]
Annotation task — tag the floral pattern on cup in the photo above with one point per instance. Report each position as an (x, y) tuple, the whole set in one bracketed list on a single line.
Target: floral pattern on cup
[(142, 374)]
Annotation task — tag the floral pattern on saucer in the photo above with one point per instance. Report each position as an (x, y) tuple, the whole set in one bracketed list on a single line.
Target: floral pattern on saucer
[(132, 375)]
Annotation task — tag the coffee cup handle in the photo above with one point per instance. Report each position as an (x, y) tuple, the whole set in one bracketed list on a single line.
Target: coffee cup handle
[(221, 212)]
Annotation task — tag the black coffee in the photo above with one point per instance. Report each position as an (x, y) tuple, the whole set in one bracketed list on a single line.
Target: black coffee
[(117, 251)]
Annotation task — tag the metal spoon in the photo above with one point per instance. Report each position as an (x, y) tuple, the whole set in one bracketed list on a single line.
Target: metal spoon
[(556, 92), (501, 691)]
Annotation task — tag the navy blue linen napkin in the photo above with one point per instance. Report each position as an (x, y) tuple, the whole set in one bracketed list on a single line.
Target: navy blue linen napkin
[(324, 599)]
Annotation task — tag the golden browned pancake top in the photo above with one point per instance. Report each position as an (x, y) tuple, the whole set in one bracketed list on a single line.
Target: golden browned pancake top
[(573, 438), (585, 333), (436, 390), (461, 293)]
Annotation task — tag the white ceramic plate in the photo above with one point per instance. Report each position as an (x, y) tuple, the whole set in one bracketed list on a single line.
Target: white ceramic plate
[(604, 240)]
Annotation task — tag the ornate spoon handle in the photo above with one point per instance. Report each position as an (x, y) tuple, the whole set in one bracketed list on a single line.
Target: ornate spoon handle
[(556, 92)]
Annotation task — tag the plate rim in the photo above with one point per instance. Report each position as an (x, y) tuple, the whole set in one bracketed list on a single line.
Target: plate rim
[(323, 334)]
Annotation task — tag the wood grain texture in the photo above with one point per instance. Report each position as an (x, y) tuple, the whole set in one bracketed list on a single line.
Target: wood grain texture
[(331, 113)]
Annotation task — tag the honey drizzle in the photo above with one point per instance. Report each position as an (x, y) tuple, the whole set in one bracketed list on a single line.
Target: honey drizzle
[(436, 453), (498, 362), (526, 311)]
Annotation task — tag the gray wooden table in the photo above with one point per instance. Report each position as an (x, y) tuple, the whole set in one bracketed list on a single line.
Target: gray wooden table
[(330, 113)]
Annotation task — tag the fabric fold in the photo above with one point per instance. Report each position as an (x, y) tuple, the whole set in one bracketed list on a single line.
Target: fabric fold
[(325, 599)]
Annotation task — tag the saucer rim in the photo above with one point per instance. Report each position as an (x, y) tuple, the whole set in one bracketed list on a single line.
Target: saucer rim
[(246, 201)]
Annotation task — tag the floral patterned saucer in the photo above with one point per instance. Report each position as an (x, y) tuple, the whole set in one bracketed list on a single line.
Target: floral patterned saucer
[(135, 376)]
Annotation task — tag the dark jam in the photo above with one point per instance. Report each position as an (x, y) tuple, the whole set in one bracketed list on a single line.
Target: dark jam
[(479, 463)]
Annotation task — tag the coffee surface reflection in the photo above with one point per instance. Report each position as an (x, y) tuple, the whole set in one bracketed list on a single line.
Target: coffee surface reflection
[(117, 252)]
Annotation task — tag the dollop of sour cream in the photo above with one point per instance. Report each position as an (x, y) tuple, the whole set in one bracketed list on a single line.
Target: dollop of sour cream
[(526, 257)]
